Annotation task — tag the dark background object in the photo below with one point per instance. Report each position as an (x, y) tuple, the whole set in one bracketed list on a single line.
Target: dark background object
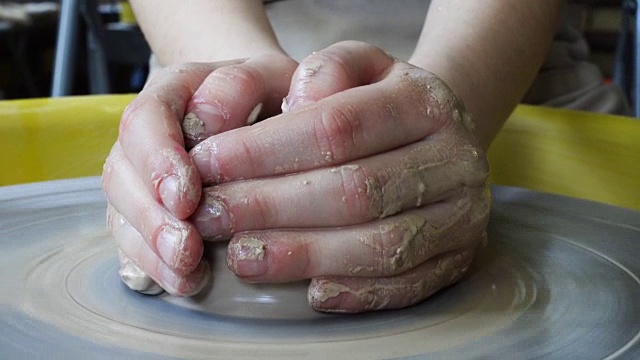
[(99, 54)]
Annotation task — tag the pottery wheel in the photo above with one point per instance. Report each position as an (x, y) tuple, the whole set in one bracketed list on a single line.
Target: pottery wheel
[(559, 279)]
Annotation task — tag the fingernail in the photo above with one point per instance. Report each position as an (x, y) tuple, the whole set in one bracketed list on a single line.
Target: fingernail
[(168, 191), (246, 257), (210, 116), (211, 219), (204, 158), (169, 244), (192, 126), (253, 116)]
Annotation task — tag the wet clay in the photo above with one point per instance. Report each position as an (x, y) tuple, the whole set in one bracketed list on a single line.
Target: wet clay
[(253, 116), (193, 127), (136, 279)]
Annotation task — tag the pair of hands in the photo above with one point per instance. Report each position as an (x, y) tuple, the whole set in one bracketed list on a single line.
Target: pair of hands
[(371, 182)]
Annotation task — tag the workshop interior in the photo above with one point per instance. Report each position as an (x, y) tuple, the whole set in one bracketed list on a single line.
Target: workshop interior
[(61, 48), (560, 277)]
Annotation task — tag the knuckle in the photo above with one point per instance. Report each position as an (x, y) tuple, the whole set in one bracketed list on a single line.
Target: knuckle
[(249, 146), (115, 221), (160, 164), (335, 132), (138, 112), (128, 118), (400, 245), (359, 193), (473, 165), (264, 212), (330, 59), (144, 224), (308, 267), (243, 79), (133, 113), (173, 103), (429, 95)]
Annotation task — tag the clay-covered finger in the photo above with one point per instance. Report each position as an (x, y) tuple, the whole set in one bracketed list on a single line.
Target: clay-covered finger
[(135, 278), (174, 241), (376, 249), (151, 136), (376, 187), (353, 295), (140, 264), (406, 106), (237, 95), (335, 69)]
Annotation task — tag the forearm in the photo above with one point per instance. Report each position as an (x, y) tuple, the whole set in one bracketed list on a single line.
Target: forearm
[(489, 52), (205, 30)]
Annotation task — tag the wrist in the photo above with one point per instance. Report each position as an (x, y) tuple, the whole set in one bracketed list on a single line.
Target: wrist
[(218, 52), (453, 73), (491, 60), (206, 31)]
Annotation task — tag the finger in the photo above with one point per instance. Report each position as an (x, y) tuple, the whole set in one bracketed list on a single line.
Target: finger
[(408, 105), (234, 96), (135, 249), (129, 272), (353, 295), (376, 249), (376, 187), (175, 241), (151, 136), (332, 70)]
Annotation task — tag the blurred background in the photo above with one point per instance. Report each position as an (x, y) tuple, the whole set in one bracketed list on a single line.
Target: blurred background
[(101, 50)]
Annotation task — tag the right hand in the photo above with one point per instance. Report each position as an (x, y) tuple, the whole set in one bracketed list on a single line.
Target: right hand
[(150, 181)]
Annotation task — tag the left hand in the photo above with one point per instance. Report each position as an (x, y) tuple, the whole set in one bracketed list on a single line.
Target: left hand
[(372, 184)]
